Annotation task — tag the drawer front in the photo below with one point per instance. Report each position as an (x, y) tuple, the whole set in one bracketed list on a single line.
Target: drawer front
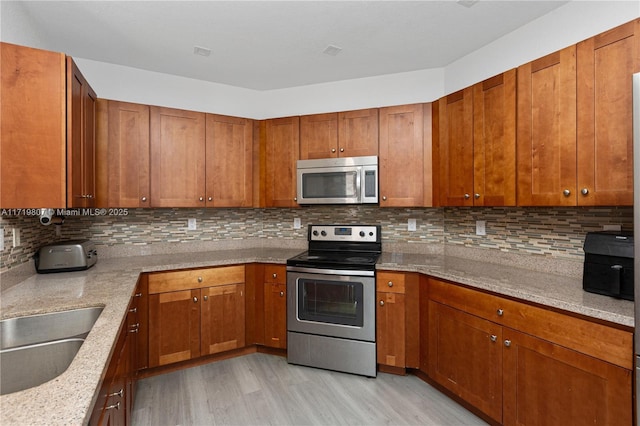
[(275, 274), (608, 343), (162, 282), (390, 282)]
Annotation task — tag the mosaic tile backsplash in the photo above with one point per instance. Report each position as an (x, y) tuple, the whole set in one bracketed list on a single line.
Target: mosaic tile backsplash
[(557, 232)]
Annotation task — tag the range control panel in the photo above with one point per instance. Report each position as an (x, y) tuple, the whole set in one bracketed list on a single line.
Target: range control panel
[(357, 233)]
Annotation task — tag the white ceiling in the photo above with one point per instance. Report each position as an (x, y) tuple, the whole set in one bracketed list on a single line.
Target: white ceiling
[(266, 45)]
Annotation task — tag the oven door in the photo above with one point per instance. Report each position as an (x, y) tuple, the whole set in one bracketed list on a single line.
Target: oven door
[(331, 304)]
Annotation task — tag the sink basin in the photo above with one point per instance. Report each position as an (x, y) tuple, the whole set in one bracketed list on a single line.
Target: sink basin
[(35, 349)]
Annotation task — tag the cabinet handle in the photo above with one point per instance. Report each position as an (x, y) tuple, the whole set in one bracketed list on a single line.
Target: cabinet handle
[(476, 195), (333, 150), (134, 328), (494, 338), (295, 199), (119, 393), (275, 275), (133, 310), (507, 343), (144, 199), (585, 191), (282, 294), (341, 149), (566, 192), (382, 303), (390, 283), (137, 295), (500, 312), (384, 198), (210, 199), (201, 198), (195, 300), (199, 279), (206, 298), (111, 407), (467, 196)]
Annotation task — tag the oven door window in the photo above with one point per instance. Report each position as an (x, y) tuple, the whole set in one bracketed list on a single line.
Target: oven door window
[(330, 184), (334, 302)]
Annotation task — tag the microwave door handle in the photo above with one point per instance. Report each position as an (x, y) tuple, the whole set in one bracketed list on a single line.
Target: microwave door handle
[(615, 285), (359, 184)]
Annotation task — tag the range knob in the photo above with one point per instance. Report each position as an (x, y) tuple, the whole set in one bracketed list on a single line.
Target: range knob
[(315, 233), (371, 233), (362, 234), (323, 233)]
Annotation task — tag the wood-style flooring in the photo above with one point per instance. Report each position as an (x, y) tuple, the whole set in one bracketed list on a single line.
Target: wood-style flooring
[(261, 389)]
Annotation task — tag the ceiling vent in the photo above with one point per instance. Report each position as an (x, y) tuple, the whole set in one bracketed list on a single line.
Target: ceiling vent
[(332, 50), (202, 51)]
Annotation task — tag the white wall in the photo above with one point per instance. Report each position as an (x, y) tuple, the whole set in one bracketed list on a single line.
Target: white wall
[(564, 26)]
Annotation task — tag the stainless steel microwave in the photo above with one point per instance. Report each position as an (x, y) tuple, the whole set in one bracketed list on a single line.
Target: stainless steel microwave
[(351, 180)]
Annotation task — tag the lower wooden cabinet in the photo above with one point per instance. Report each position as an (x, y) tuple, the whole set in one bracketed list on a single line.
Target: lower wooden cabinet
[(195, 313), (275, 306), (525, 365)]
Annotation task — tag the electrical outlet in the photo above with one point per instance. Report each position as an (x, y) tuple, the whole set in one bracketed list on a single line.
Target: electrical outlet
[(297, 224), (191, 224), (615, 228), (411, 225), (481, 227), (16, 237)]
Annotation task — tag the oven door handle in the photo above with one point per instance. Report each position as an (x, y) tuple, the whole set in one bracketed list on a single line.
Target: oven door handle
[(331, 271)]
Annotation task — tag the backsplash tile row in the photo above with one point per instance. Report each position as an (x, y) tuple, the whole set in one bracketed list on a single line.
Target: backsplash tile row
[(557, 232)]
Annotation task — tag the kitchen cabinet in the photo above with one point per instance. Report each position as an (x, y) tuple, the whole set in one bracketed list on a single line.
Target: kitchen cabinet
[(229, 161), (405, 156), (33, 127), (177, 153), (605, 64), (275, 306), (522, 364), (343, 134), (475, 149), (279, 156), (122, 150), (397, 320), (81, 139), (194, 313)]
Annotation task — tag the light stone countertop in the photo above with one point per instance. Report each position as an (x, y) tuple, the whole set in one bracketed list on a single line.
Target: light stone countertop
[(69, 398)]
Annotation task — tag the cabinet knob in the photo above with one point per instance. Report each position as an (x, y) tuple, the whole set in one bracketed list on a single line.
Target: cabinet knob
[(205, 298), (119, 393), (137, 295), (275, 275), (500, 312), (507, 343), (494, 338), (195, 300), (199, 279), (467, 196), (210, 199), (476, 195), (133, 310), (111, 407), (382, 303), (282, 294), (144, 199), (384, 198), (333, 150), (201, 198), (566, 192), (134, 328), (295, 199), (390, 283), (341, 149), (585, 191)]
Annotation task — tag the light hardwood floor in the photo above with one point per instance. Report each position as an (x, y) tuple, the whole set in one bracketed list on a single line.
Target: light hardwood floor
[(260, 389)]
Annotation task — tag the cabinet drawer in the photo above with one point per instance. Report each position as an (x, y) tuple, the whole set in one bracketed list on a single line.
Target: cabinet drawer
[(161, 282), (275, 274), (601, 341), (389, 282)]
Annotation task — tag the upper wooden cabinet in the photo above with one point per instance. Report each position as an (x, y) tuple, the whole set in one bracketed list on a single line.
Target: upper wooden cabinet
[(405, 156), (122, 150), (178, 158), (475, 150), (32, 128), (81, 139), (229, 161), (343, 134), (279, 155), (605, 64)]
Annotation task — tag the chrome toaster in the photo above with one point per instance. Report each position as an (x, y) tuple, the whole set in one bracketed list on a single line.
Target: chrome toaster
[(65, 256)]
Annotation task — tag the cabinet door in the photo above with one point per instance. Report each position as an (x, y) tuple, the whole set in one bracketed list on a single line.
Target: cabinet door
[(546, 135), (465, 356), (229, 161), (123, 143), (401, 160), (390, 329), (358, 133), (494, 141), (547, 384), (455, 148), (606, 63), (222, 326), (275, 314), (32, 116), (318, 136), (177, 158), (174, 327), (282, 151), (81, 130)]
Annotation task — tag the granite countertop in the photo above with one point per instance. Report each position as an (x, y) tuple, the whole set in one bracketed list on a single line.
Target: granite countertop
[(69, 398)]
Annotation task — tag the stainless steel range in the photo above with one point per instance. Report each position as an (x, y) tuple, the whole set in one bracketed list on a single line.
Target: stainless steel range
[(331, 313)]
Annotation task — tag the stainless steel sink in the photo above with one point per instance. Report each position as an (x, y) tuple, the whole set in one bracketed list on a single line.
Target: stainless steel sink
[(35, 349)]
